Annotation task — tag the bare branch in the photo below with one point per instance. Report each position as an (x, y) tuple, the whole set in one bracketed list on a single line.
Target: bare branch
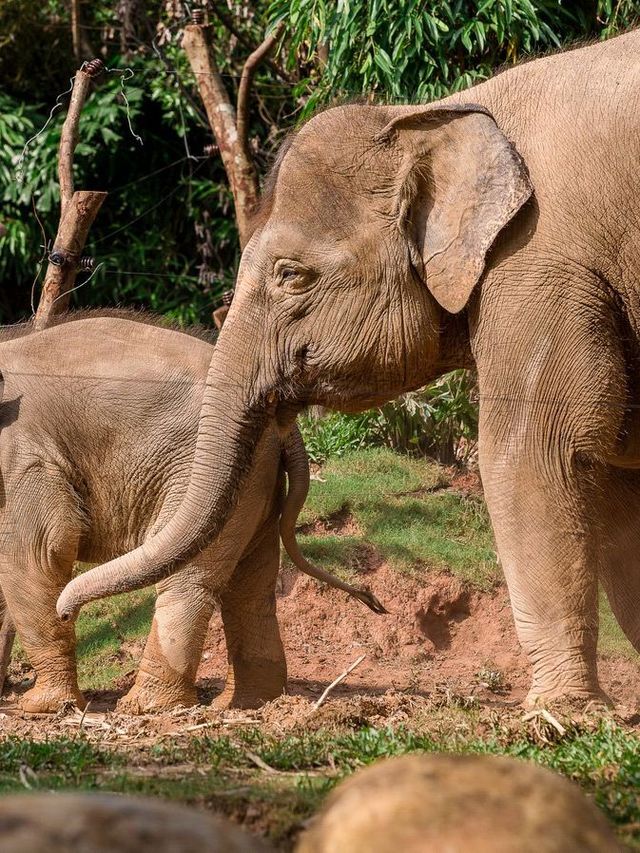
[(244, 90), (222, 118), (226, 19), (69, 137)]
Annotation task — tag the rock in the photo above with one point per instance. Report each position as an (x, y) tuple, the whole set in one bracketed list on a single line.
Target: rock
[(457, 804), (109, 823)]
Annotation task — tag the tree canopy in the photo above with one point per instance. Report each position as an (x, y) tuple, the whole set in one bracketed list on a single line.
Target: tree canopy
[(166, 237)]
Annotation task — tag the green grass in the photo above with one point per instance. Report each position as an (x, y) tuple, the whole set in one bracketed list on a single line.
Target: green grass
[(611, 640), (402, 509), (219, 772), (106, 630)]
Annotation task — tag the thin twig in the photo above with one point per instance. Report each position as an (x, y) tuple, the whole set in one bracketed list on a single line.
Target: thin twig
[(338, 680), (225, 19), (81, 723), (244, 90), (542, 712)]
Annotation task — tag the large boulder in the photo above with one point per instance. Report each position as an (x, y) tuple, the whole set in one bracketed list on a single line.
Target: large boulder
[(457, 804), (109, 823)]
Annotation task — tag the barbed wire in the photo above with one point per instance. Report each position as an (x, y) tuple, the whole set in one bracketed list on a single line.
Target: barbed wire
[(149, 209), (54, 108), (126, 74), (78, 286)]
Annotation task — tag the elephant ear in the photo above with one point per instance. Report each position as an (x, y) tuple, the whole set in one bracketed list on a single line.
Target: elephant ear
[(462, 182)]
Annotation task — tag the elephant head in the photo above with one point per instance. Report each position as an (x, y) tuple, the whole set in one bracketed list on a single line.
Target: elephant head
[(374, 230)]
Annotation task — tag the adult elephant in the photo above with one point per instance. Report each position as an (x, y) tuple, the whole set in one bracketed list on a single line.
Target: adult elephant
[(499, 227)]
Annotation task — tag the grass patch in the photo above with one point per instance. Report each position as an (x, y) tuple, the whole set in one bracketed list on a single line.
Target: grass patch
[(56, 763), (403, 510), (106, 630), (611, 639), (219, 772)]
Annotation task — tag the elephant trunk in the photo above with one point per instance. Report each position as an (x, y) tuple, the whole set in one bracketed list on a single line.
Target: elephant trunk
[(230, 427), (296, 464)]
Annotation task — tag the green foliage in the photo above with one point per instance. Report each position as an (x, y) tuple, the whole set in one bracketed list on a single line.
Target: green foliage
[(335, 434), (166, 236), (398, 50), (440, 421)]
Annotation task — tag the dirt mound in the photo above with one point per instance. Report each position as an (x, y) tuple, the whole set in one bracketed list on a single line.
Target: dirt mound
[(439, 637), (340, 523)]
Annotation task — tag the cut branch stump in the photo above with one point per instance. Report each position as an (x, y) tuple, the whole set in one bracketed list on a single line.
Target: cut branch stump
[(78, 209)]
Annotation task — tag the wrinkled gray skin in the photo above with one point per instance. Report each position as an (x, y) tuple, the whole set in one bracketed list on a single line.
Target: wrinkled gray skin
[(98, 423), (500, 228)]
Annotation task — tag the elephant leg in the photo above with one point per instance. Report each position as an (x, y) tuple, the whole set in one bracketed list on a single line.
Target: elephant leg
[(553, 395), (620, 560), (167, 672), (31, 592), (7, 637), (549, 553), (40, 539), (257, 669)]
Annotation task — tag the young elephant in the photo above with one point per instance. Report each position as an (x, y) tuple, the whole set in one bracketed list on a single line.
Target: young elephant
[(98, 425)]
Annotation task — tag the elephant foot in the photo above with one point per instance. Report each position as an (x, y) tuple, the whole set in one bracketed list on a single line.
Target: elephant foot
[(150, 695), (251, 684), (540, 698), (49, 699)]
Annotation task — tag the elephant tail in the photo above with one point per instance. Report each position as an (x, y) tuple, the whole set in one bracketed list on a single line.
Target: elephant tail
[(296, 465)]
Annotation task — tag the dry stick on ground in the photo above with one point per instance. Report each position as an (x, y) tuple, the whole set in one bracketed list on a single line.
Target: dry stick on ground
[(230, 129), (78, 209), (337, 681)]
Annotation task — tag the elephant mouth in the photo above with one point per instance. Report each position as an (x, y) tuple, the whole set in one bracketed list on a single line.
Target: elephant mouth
[(285, 414)]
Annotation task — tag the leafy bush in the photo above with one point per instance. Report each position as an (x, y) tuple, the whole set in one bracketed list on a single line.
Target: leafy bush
[(335, 434), (440, 421)]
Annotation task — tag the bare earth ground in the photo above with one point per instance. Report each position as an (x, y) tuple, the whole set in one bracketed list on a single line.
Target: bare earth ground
[(440, 642), (441, 638)]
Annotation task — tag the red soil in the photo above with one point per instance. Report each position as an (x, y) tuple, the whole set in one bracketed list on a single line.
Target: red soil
[(438, 637)]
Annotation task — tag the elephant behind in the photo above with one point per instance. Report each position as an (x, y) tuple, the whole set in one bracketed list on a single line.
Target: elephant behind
[(98, 422)]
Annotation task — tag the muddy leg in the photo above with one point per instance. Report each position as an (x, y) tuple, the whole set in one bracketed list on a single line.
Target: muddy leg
[(167, 672), (257, 667), (7, 636), (38, 547)]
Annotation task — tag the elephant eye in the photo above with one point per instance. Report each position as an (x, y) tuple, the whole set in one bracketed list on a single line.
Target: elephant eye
[(291, 276)]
